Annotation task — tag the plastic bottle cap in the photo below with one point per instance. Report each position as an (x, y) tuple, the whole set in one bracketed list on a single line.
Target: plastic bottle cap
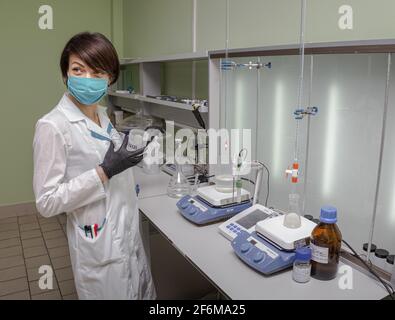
[(308, 217), (381, 253), (303, 254), (390, 259), (373, 247), (317, 221), (328, 214)]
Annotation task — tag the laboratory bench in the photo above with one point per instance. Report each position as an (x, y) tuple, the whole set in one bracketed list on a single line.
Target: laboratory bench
[(212, 255)]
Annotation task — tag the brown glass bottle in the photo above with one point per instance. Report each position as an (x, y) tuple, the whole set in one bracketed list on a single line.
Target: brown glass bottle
[(325, 244)]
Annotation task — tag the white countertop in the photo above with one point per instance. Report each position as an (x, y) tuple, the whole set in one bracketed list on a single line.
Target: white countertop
[(213, 255)]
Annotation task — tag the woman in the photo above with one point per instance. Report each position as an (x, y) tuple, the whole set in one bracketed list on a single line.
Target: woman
[(77, 170)]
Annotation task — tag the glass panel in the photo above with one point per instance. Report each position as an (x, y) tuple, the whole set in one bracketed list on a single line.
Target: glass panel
[(239, 99), (277, 125), (344, 136), (345, 139), (384, 235)]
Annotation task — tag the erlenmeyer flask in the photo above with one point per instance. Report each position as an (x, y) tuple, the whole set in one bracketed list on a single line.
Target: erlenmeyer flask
[(178, 185)]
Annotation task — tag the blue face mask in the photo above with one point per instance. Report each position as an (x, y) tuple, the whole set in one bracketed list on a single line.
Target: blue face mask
[(87, 91)]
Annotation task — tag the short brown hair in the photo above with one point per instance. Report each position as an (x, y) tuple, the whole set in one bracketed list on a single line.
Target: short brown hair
[(95, 50)]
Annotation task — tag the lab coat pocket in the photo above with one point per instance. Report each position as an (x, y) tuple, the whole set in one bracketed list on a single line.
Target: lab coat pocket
[(100, 251)]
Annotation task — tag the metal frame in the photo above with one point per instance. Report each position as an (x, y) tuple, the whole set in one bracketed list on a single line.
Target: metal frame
[(365, 46)]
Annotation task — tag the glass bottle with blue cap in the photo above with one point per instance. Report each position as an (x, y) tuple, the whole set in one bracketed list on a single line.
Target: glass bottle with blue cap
[(325, 244), (302, 265)]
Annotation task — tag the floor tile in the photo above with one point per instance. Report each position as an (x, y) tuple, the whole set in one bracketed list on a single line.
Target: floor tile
[(11, 251), (6, 263), (33, 242), (37, 262), (12, 273), (10, 243), (50, 227), (43, 220), (64, 274), (53, 234), (13, 286), (9, 226), (9, 234), (59, 252), (61, 262), (28, 242), (9, 220), (27, 219), (62, 219), (33, 274), (51, 295), (29, 226), (55, 243), (34, 252), (30, 234), (36, 290), (27, 214), (24, 295), (67, 287), (73, 296)]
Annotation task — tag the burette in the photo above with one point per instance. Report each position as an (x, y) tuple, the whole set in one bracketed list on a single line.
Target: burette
[(225, 76), (295, 166)]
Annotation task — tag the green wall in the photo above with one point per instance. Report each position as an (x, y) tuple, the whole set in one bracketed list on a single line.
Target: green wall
[(30, 82), (177, 79), (372, 20), (157, 27)]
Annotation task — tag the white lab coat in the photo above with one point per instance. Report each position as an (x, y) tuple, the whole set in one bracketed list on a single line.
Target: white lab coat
[(68, 146)]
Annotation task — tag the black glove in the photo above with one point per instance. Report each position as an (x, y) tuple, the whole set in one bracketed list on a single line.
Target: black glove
[(118, 161)]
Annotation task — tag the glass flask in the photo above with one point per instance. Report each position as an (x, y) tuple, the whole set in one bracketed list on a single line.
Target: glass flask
[(178, 185)]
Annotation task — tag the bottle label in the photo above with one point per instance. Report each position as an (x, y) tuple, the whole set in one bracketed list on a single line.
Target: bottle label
[(319, 254)]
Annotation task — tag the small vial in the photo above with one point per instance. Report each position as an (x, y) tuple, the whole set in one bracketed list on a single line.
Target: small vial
[(365, 246), (380, 258), (302, 265), (390, 264), (118, 117)]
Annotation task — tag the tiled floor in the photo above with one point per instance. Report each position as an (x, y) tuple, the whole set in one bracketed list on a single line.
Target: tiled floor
[(26, 243)]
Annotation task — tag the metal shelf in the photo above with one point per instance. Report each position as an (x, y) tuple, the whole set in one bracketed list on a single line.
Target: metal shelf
[(137, 97), (169, 58)]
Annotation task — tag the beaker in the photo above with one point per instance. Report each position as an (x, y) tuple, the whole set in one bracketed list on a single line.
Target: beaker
[(224, 183)]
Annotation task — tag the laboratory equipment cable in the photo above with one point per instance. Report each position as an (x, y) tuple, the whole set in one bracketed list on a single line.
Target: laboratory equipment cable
[(387, 286), (268, 182), (248, 180)]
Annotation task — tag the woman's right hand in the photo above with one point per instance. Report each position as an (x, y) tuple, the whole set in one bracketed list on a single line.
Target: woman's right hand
[(118, 161)]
